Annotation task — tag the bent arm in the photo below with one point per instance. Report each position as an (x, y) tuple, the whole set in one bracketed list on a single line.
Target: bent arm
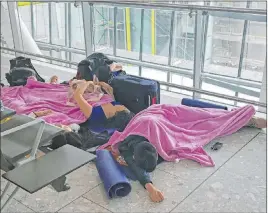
[(84, 106), (107, 88)]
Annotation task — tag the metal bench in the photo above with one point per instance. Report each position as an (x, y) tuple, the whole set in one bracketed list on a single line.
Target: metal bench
[(21, 136)]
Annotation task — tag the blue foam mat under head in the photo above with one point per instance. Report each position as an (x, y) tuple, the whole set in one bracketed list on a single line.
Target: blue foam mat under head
[(114, 179)]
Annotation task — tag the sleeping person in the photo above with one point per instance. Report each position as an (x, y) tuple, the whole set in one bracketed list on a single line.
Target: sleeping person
[(140, 154)]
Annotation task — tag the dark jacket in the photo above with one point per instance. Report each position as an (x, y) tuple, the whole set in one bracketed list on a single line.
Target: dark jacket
[(126, 149)]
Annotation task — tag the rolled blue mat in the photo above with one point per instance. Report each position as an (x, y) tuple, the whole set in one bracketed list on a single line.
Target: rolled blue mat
[(201, 104), (115, 181)]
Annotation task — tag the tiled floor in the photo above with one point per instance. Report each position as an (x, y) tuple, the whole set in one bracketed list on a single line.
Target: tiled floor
[(236, 184)]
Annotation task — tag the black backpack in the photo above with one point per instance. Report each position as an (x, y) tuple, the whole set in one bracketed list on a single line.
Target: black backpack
[(20, 69), (96, 64)]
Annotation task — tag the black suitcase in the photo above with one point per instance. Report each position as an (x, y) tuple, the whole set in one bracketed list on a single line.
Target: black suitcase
[(136, 93)]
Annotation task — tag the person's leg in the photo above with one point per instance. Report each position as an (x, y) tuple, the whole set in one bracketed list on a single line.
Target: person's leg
[(84, 106), (257, 122)]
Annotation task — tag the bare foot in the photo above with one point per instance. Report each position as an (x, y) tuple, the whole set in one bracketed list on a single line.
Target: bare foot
[(256, 122), (43, 113)]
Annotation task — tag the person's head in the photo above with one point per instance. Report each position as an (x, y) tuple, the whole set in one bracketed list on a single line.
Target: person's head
[(145, 156), (120, 120), (54, 79)]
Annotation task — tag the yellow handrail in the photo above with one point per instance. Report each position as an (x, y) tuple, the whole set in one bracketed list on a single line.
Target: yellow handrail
[(128, 30), (153, 32), (22, 4)]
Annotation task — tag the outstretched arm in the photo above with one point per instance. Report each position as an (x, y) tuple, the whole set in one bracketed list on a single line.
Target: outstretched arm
[(141, 175)]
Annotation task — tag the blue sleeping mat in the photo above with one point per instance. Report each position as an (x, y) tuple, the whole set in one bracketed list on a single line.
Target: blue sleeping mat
[(115, 181), (201, 104)]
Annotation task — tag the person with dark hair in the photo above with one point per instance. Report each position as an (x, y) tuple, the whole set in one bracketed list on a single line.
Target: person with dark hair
[(141, 157)]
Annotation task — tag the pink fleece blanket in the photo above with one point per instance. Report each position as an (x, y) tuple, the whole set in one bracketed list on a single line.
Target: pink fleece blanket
[(180, 132), (36, 96)]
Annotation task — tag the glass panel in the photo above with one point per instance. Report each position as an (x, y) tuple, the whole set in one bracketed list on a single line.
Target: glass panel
[(180, 80), (25, 14), (131, 69), (77, 57), (59, 23), (77, 28), (217, 89), (128, 32), (60, 55), (156, 36), (153, 74), (41, 22), (237, 4), (104, 31), (6, 32), (183, 41), (223, 46), (259, 5), (254, 52), (248, 98)]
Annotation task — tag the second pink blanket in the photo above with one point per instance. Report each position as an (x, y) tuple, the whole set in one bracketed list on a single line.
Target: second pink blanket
[(37, 96), (180, 132)]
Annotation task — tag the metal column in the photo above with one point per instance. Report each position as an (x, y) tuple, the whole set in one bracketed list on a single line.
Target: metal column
[(87, 10), (50, 27), (171, 33), (32, 20), (242, 52), (197, 53), (115, 31), (14, 22), (141, 40)]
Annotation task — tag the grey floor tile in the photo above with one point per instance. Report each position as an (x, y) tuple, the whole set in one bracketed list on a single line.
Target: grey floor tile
[(184, 178), (48, 200), (187, 169), (15, 206), (138, 200), (83, 205), (238, 186), (3, 181)]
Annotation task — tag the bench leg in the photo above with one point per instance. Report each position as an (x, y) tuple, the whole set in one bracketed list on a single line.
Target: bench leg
[(60, 184), (5, 190), (5, 204)]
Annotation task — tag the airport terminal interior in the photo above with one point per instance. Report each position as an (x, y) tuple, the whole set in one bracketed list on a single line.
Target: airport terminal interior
[(188, 78)]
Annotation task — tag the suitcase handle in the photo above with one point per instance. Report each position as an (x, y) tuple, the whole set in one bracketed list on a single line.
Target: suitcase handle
[(134, 79)]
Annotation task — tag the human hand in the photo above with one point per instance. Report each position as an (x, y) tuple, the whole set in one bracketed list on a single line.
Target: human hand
[(155, 194)]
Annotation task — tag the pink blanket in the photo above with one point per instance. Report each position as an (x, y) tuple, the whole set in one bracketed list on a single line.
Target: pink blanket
[(180, 132), (36, 96)]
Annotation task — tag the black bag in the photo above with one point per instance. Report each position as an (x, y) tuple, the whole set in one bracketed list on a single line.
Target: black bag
[(84, 139), (136, 93), (20, 69), (96, 64), (71, 138)]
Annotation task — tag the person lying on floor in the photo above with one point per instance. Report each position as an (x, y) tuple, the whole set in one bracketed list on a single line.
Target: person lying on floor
[(139, 154)]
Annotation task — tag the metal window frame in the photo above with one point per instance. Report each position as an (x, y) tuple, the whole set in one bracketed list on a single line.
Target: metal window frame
[(161, 82), (197, 70), (141, 40), (263, 93), (197, 75), (87, 10)]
